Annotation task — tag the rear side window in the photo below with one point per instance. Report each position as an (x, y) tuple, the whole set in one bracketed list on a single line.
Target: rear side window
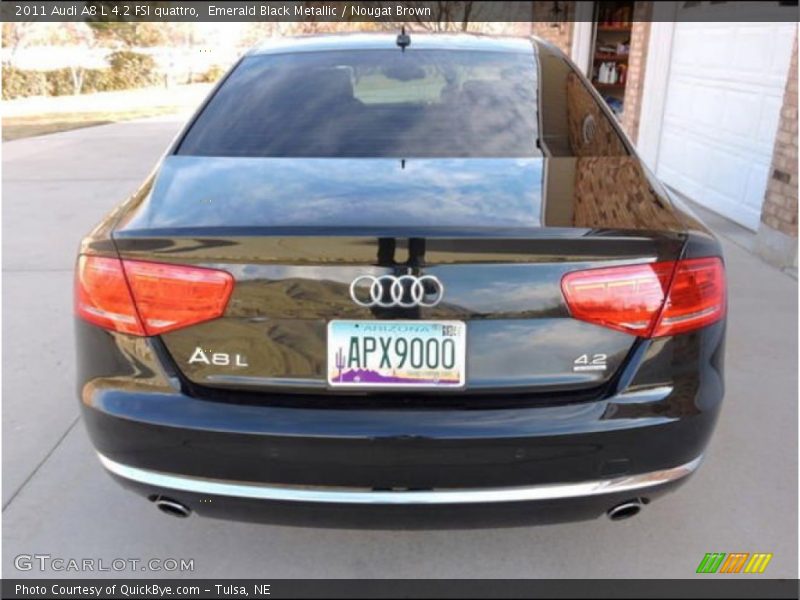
[(376, 103), (573, 122)]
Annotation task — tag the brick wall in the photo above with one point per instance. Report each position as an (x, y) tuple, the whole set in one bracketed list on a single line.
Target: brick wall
[(558, 33), (604, 140), (780, 202), (777, 234), (640, 37)]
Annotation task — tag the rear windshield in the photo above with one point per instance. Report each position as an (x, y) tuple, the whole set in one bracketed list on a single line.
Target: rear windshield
[(376, 103)]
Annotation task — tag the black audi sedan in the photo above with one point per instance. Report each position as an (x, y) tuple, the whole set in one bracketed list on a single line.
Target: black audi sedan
[(401, 282)]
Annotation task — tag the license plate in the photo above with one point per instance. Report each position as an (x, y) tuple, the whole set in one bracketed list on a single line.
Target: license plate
[(397, 354)]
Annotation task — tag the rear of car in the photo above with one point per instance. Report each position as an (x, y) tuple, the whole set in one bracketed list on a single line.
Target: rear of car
[(429, 286)]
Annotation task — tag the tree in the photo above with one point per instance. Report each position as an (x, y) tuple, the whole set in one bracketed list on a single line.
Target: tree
[(116, 29), (127, 34), (19, 35), (256, 32), (74, 34), (77, 34), (445, 16)]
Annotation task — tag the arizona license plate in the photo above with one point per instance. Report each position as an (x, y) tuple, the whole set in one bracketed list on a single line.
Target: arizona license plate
[(397, 354)]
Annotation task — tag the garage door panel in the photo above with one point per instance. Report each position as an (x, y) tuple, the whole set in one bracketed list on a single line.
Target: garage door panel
[(728, 174), (708, 106), (721, 113), (756, 184), (769, 119), (777, 47), (718, 45), (740, 110), (680, 95), (753, 50), (682, 165), (724, 179), (723, 204), (686, 39), (734, 115)]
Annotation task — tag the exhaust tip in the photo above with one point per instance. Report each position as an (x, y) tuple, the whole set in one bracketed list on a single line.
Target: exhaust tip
[(171, 507), (625, 510)]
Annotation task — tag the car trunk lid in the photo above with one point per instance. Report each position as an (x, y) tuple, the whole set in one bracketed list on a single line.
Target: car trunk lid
[(499, 234)]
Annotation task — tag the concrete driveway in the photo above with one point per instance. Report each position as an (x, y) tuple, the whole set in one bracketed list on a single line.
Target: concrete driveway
[(58, 501)]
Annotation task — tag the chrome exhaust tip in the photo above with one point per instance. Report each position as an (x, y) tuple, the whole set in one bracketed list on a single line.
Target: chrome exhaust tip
[(172, 507), (626, 510)]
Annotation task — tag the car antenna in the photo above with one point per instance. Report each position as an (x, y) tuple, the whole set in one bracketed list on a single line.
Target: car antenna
[(403, 39)]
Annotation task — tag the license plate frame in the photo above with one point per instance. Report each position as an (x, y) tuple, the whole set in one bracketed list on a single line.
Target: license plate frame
[(339, 373)]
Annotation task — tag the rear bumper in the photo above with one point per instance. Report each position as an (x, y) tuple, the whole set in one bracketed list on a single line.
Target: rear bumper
[(344, 507), (490, 466), (396, 469), (390, 449), (632, 484)]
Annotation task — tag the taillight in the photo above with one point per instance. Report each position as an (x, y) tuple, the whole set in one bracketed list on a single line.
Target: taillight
[(102, 295), (649, 300), (147, 298), (697, 297)]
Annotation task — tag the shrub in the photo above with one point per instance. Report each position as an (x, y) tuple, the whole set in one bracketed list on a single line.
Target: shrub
[(128, 70), (131, 70), (97, 80), (59, 82), (211, 75), (21, 84)]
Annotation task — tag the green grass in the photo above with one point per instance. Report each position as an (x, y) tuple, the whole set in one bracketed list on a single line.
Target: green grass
[(15, 128)]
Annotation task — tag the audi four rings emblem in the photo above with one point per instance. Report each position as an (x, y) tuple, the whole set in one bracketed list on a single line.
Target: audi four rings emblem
[(405, 291)]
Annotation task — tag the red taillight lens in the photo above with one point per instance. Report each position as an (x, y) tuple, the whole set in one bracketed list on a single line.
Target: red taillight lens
[(697, 297), (146, 298), (649, 300), (172, 296), (625, 298), (102, 295)]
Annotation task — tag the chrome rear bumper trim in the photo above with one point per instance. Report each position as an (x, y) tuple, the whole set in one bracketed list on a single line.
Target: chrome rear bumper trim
[(296, 493)]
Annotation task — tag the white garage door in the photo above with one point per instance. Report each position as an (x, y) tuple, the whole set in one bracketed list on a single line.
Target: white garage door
[(723, 100)]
